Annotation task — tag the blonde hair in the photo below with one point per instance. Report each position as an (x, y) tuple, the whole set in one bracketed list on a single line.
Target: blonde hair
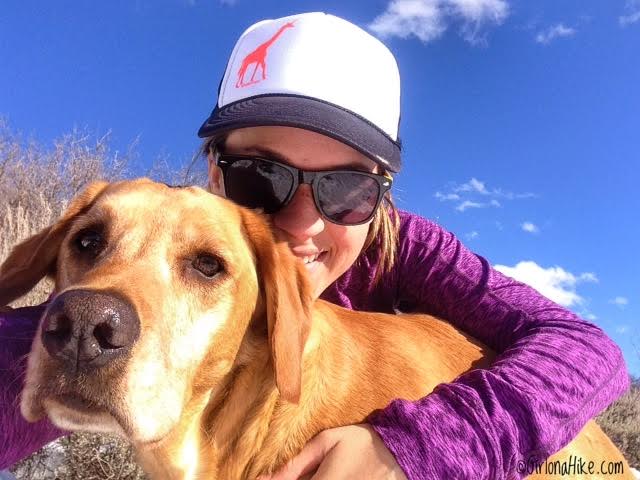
[(383, 235), (383, 231)]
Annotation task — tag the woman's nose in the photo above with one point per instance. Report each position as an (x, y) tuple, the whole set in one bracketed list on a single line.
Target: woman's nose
[(300, 218)]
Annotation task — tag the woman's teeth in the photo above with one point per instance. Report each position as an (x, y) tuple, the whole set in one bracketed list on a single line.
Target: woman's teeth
[(311, 258)]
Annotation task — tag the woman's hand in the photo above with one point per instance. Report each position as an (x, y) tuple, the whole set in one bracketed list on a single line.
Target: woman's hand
[(353, 452)]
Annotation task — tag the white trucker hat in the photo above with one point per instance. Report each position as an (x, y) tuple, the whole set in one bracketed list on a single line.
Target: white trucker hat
[(318, 72)]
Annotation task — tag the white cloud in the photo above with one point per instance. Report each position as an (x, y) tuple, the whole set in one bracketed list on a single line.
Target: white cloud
[(554, 283), (475, 194), (449, 196), (622, 328), (555, 31), (429, 19), (589, 277), (472, 235), (590, 316), (530, 227), (620, 301), (404, 18), (473, 185), (629, 19), (469, 204), (633, 13)]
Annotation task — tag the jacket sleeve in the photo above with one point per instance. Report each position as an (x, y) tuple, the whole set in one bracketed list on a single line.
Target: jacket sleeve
[(18, 438), (554, 371)]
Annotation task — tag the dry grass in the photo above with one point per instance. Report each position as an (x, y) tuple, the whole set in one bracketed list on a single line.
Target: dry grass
[(35, 185), (621, 421)]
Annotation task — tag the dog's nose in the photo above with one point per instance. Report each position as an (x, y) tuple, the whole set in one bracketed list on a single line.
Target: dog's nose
[(89, 329)]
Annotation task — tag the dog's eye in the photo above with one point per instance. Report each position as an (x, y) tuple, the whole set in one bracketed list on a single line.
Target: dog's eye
[(207, 265), (89, 241)]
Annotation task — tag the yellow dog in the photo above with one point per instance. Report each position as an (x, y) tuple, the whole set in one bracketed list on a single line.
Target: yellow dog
[(179, 322)]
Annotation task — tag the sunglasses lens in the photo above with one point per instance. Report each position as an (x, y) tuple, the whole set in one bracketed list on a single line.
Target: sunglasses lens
[(348, 197), (255, 183)]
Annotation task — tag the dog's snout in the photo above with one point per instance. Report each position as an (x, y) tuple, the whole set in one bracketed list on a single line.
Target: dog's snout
[(89, 329)]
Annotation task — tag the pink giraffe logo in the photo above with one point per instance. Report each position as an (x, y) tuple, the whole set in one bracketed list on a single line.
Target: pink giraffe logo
[(259, 58)]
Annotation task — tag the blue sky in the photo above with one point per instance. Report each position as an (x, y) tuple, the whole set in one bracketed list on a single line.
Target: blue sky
[(520, 120)]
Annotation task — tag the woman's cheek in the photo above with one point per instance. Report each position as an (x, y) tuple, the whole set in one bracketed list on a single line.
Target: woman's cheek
[(348, 242)]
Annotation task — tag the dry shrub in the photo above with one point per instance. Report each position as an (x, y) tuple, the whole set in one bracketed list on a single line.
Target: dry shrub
[(81, 456), (621, 421), (37, 183), (17, 223)]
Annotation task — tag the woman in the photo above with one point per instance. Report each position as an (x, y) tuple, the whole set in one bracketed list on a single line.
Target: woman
[(305, 127)]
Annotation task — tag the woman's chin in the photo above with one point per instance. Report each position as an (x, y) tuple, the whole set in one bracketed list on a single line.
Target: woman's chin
[(317, 273)]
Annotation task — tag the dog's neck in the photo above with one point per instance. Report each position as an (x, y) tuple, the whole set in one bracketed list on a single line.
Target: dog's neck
[(212, 438), (236, 431), (244, 428), (237, 420)]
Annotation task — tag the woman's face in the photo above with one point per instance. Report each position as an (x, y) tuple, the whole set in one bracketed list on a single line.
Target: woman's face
[(327, 249)]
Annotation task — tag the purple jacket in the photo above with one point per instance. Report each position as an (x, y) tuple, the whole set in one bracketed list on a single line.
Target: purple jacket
[(553, 373), (18, 438)]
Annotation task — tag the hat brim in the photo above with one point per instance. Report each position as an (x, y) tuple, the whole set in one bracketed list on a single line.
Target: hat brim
[(309, 114)]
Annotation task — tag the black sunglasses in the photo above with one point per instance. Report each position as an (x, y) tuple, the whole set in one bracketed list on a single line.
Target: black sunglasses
[(344, 197)]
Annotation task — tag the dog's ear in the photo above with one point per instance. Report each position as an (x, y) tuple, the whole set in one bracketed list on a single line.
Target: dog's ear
[(288, 297), (36, 256)]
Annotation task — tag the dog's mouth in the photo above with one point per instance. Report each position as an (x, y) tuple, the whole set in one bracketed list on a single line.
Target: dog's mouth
[(79, 404), (71, 410), (102, 401), (74, 411)]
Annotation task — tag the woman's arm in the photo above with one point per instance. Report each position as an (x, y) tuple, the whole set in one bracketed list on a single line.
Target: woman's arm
[(18, 438), (554, 371)]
